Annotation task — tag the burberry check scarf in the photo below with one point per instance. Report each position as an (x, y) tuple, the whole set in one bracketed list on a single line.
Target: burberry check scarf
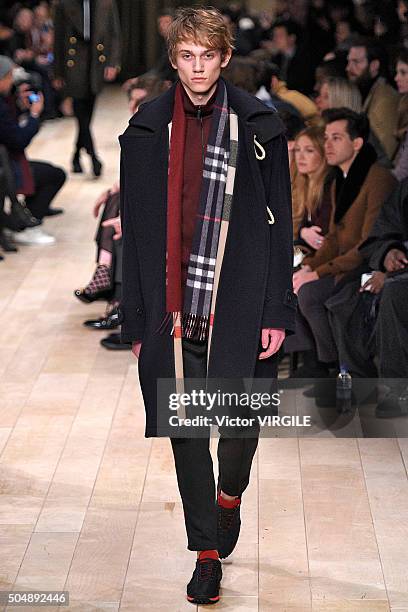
[(193, 317)]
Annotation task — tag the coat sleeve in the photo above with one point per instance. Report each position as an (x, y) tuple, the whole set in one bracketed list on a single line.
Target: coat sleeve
[(132, 306), (12, 135), (115, 37), (280, 301)]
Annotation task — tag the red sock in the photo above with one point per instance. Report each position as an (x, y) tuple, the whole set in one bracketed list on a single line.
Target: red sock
[(208, 554), (228, 503)]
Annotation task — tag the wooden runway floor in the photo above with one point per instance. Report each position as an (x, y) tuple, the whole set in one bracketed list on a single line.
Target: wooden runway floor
[(87, 504)]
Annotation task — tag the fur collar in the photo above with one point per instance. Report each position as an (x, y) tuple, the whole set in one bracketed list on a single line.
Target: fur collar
[(347, 189)]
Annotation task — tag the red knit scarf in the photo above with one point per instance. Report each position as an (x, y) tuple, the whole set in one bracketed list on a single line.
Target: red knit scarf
[(174, 296)]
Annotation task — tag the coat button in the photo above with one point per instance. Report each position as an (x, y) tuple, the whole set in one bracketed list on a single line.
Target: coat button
[(139, 311), (72, 40), (71, 51), (100, 47), (70, 63), (102, 59)]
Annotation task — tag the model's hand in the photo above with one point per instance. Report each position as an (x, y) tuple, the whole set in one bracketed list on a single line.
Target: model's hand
[(271, 341), (395, 260), (136, 346), (117, 226), (58, 83), (312, 236), (374, 284), (110, 73), (302, 277)]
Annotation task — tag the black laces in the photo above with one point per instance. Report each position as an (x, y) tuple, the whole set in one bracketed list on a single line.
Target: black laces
[(206, 569)]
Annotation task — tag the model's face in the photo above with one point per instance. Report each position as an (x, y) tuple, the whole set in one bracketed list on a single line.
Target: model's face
[(307, 156), (339, 147), (198, 67), (357, 63), (401, 77), (322, 100)]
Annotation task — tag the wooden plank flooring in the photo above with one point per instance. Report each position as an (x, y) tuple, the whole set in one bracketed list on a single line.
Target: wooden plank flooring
[(89, 505)]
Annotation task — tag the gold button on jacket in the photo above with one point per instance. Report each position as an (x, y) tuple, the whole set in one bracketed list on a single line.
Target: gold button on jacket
[(100, 47), (70, 63), (102, 58), (72, 40)]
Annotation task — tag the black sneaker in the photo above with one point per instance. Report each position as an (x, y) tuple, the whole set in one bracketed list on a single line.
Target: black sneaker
[(229, 525), (204, 586)]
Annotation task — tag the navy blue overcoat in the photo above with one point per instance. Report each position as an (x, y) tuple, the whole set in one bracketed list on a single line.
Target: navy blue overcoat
[(255, 288)]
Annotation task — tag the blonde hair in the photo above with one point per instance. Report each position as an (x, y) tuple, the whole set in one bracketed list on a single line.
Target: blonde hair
[(307, 191), (204, 26), (343, 93)]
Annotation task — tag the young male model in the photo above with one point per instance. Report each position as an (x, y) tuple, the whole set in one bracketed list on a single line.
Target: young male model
[(207, 263)]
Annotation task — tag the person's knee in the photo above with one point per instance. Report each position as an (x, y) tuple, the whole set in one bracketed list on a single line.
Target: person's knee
[(60, 176), (307, 296), (394, 296)]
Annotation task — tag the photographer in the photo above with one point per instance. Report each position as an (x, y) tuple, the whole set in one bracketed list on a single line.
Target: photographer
[(19, 122)]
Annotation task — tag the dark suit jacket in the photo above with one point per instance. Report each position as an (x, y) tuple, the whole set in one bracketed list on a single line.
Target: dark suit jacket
[(81, 63)]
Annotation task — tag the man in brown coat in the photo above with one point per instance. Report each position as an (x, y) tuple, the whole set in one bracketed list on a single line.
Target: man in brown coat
[(359, 190), (365, 66)]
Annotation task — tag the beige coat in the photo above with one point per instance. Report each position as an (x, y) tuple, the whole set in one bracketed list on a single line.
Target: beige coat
[(306, 107), (381, 106)]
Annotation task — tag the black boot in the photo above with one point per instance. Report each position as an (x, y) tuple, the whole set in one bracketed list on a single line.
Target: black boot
[(96, 166), (76, 164)]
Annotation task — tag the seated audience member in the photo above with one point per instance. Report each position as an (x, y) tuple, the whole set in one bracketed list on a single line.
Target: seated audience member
[(361, 186), (293, 126), (311, 195), (106, 280), (241, 72), (386, 250), (278, 89), (335, 67), (38, 181), (401, 78), (264, 73), (371, 322), (337, 92), (291, 56), (31, 47), (367, 65)]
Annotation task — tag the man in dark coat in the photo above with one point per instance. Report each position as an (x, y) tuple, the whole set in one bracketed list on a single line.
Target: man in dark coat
[(87, 52), (386, 250), (207, 253)]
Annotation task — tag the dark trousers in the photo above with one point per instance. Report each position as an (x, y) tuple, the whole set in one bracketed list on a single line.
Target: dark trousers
[(48, 180), (312, 321), (83, 111), (392, 329), (194, 466)]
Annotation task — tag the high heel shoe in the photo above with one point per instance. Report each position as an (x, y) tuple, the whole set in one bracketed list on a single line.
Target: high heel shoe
[(96, 166), (76, 164), (100, 286)]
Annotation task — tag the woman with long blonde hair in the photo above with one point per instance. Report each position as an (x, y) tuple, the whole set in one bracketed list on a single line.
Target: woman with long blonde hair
[(310, 188)]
